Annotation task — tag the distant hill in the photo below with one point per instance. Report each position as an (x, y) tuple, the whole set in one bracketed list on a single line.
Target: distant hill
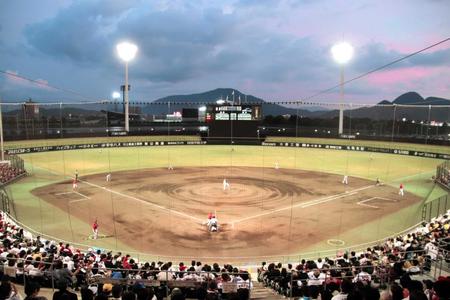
[(417, 111), (214, 95)]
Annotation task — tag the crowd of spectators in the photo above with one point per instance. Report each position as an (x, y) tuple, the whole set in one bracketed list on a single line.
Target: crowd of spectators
[(444, 177), (8, 173), (48, 263), (362, 275), (100, 275)]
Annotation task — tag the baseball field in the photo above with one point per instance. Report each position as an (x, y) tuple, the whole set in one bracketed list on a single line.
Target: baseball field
[(282, 201)]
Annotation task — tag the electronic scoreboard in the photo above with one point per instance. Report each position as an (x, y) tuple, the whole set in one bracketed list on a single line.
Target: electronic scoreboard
[(233, 121)]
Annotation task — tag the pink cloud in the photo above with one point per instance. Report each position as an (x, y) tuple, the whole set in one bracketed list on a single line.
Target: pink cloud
[(401, 75), (13, 77)]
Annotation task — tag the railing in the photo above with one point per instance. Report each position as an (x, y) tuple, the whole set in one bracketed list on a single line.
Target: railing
[(248, 261)]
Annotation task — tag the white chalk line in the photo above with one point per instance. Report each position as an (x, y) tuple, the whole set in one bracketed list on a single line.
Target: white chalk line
[(363, 202), (306, 204), (78, 200), (137, 199), (143, 201)]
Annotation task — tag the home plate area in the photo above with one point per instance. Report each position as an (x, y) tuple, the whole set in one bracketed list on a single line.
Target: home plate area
[(376, 202)]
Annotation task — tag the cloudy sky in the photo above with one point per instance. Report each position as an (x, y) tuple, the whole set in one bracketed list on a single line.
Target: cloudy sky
[(276, 50)]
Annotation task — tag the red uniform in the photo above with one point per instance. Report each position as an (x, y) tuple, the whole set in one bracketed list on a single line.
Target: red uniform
[(95, 229)]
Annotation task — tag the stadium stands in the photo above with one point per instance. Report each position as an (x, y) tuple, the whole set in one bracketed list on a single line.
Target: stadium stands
[(9, 173), (50, 263)]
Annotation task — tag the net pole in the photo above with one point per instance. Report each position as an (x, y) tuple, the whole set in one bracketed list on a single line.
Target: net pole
[(1, 132)]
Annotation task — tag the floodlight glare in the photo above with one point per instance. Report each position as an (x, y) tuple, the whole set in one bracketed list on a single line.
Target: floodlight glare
[(116, 95), (342, 52), (202, 108), (126, 51)]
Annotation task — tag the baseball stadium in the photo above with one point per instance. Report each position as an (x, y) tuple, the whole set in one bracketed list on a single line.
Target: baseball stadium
[(284, 185)]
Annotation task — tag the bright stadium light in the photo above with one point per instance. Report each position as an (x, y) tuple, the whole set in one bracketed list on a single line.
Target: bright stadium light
[(127, 52), (342, 53), (202, 108), (220, 101), (115, 95)]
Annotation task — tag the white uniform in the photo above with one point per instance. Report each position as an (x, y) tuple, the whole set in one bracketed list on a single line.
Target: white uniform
[(276, 166), (108, 177), (212, 224), (170, 167), (226, 185), (345, 180)]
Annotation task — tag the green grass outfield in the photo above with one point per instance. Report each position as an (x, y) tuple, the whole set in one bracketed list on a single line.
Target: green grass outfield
[(50, 167)]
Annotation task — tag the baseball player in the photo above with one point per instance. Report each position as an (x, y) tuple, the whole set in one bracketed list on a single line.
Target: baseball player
[(226, 185), (345, 180), (400, 191), (75, 184), (95, 229), (378, 182), (212, 224), (76, 175), (108, 177), (276, 166), (170, 167)]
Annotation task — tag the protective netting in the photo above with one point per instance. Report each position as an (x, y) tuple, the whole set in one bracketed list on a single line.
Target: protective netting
[(282, 186)]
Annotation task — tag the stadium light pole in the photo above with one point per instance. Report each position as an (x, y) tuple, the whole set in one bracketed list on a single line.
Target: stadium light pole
[(127, 51), (1, 133), (342, 53)]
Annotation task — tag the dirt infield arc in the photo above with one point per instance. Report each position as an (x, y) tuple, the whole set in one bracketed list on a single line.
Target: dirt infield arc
[(265, 212)]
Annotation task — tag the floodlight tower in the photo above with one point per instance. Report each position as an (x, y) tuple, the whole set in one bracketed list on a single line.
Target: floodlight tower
[(342, 53), (127, 52)]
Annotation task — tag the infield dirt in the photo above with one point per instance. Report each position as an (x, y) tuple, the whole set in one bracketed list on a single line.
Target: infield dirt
[(266, 212)]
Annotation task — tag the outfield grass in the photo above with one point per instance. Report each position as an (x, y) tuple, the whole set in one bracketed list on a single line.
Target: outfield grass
[(51, 167)]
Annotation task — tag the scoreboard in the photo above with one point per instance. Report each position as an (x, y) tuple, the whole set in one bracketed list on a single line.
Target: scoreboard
[(233, 113), (233, 121)]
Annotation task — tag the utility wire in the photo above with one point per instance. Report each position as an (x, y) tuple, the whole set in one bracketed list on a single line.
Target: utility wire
[(42, 83), (378, 69)]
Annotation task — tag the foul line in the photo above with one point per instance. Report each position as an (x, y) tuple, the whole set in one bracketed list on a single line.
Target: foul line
[(77, 200), (143, 201), (363, 202), (306, 204), (130, 197)]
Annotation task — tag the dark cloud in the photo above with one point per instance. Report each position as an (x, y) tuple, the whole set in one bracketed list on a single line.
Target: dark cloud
[(265, 46), (374, 55)]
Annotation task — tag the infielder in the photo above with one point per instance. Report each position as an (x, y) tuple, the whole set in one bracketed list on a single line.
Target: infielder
[(108, 177), (226, 185), (76, 175), (276, 166), (75, 184), (400, 191), (95, 229), (345, 180)]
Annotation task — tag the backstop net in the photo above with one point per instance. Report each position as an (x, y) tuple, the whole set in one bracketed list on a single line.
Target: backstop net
[(284, 182)]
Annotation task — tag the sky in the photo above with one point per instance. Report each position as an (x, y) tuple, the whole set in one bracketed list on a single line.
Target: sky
[(275, 50)]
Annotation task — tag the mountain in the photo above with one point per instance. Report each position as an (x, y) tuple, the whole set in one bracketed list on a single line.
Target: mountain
[(416, 109), (196, 100)]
